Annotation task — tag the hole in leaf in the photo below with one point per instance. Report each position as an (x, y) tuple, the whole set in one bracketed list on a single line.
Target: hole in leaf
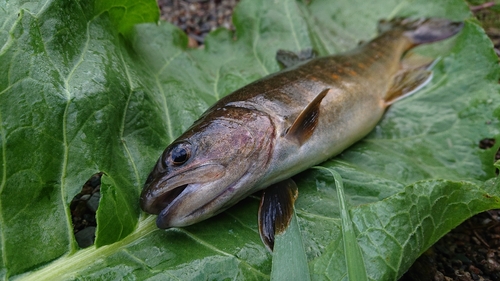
[(83, 208), (488, 143)]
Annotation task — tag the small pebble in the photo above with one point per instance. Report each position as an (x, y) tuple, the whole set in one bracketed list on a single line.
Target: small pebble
[(475, 270), (85, 237), (93, 202), (95, 180), (198, 17)]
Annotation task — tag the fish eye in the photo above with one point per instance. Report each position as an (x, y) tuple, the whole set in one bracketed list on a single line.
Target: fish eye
[(180, 154)]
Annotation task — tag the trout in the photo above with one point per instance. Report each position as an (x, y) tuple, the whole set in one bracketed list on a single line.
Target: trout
[(262, 134)]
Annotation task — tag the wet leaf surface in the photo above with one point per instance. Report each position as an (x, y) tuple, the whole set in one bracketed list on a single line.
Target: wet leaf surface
[(76, 97)]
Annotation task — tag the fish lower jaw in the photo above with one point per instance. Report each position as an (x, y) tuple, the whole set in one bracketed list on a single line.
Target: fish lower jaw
[(175, 215), (162, 202)]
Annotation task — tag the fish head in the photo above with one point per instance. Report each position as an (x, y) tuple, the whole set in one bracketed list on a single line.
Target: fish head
[(208, 169)]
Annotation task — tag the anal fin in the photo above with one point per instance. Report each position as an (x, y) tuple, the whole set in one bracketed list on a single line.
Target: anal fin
[(276, 210), (304, 125), (409, 79)]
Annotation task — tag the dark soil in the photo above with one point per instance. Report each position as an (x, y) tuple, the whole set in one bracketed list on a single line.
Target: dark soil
[(198, 17), (83, 209), (468, 252)]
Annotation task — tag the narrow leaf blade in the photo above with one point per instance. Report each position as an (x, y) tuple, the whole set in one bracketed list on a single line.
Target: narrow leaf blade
[(289, 256)]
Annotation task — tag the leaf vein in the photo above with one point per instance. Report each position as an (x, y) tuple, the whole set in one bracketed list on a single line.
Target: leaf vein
[(241, 223), (216, 84), (254, 47), (204, 243), (122, 125), (2, 186), (170, 132), (294, 34)]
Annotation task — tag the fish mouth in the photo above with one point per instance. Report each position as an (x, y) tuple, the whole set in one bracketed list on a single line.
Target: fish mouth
[(187, 197), (159, 203), (188, 207), (161, 193)]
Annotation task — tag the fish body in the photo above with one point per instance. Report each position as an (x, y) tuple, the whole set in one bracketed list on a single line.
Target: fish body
[(282, 124)]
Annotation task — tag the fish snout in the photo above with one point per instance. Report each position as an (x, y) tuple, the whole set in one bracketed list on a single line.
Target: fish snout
[(161, 192), (154, 203)]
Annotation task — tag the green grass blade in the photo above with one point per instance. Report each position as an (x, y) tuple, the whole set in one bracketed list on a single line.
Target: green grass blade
[(289, 256), (356, 270)]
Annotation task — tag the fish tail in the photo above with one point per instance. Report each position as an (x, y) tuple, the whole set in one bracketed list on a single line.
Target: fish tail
[(424, 30)]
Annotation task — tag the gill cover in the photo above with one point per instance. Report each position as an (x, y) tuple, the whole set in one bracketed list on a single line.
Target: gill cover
[(209, 168)]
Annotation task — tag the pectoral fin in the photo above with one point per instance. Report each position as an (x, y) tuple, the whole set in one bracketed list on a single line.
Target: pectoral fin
[(288, 58), (276, 210), (304, 125)]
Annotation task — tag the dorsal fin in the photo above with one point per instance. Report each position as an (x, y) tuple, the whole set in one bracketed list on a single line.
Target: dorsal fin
[(303, 127), (289, 58)]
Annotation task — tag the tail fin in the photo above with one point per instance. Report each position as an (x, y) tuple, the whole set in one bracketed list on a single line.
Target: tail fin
[(422, 31)]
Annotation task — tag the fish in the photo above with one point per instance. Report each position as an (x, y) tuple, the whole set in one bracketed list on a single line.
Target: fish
[(262, 134)]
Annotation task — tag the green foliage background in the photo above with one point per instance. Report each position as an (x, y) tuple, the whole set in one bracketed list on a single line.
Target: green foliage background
[(99, 86)]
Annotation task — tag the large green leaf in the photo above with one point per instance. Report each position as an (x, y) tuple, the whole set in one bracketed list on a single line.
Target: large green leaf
[(77, 97)]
